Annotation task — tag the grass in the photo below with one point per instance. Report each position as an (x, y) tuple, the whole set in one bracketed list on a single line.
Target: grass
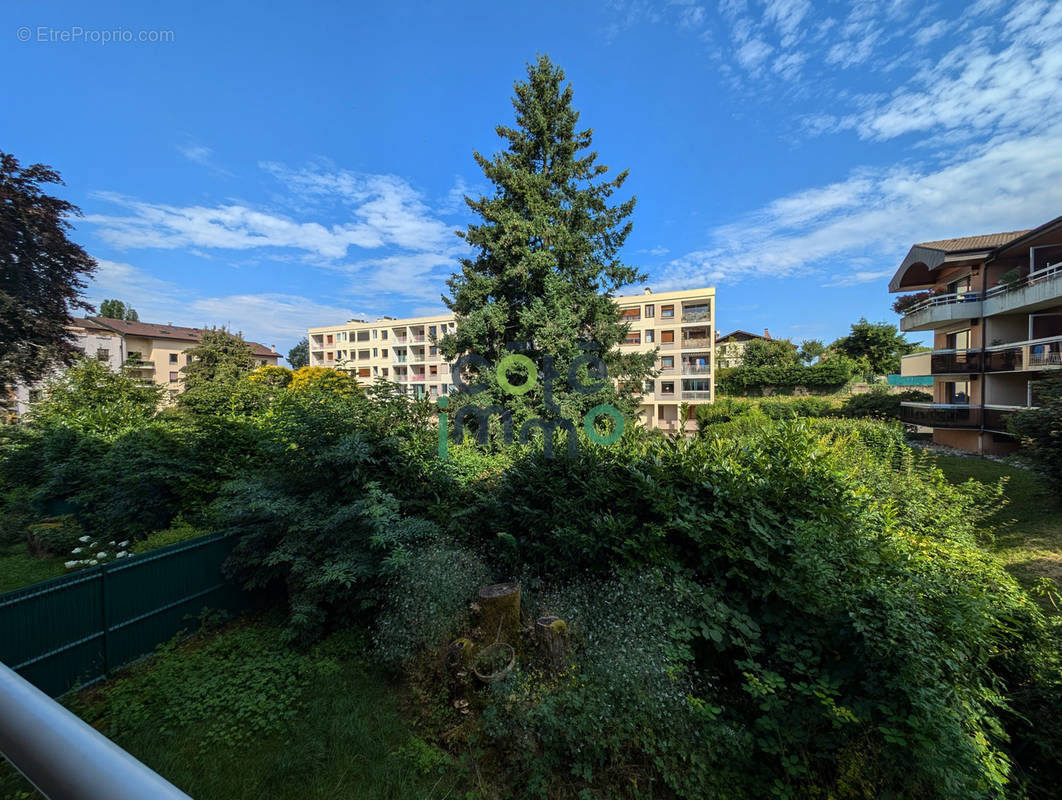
[(1028, 530), (18, 568), (234, 714)]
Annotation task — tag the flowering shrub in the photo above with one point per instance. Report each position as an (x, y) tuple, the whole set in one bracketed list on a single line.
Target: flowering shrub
[(89, 552), (905, 302)]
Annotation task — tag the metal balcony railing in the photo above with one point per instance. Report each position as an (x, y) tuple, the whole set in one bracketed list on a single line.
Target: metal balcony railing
[(696, 316), (1044, 273), (65, 757), (953, 362), (941, 415)]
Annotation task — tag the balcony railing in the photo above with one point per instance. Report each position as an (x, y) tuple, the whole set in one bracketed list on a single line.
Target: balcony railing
[(698, 395), (698, 342), (953, 362), (1033, 278), (1043, 353), (696, 316), (695, 369), (941, 415)]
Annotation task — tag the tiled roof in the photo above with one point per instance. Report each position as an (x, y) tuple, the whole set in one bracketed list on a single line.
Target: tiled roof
[(983, 242), (151, 330)]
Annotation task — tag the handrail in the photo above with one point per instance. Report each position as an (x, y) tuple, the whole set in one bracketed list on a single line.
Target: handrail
[(1045, 272), (944, 300), (63, 756)]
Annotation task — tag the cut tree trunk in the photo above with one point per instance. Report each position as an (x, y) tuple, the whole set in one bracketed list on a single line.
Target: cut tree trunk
[(499, 609), (552, 635)]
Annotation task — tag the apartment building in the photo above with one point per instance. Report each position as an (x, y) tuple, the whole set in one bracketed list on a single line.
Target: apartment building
[(994, 304), (143, 350), (405, 352)]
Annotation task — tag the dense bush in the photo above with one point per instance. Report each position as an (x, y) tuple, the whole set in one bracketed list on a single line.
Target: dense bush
[(847, 637), (1040, 430), (827, 375), (880, 404)]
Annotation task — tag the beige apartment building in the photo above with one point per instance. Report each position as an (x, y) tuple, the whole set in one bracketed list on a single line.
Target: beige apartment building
[(994, 304), (677, 324), (143, 350)]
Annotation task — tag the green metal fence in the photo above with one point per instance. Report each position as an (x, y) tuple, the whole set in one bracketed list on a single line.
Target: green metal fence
[(77, 628)]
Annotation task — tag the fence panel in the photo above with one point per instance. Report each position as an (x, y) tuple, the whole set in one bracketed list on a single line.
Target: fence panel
[(77, 628)]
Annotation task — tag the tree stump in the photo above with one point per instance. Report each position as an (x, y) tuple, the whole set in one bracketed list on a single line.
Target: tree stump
[(499, 610), (552, 635)]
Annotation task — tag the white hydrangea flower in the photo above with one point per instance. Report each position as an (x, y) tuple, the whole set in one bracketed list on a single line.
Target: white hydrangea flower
[(72, 564), (122, 554), (85, 539), (124, 544), (77, 550), (102, 554), (93, 562)]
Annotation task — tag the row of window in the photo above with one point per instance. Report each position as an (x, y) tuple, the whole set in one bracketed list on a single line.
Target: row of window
[(383, 334), (689, 338), (690, 313), (688, 385)]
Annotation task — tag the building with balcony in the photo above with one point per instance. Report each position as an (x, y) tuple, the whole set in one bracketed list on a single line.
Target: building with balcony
[(994, 304), (148, 351), (678, 325)]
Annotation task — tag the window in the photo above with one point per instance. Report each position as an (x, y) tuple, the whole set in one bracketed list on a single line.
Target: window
[(329, 340), (383, 353), (431, 330), (667, 337), (433, 370), (667, 362), (103, 354), (363, 336), (173, 358), (374, 333), (433, 350), (667, 387), (957, 393), (375, 352), (633, 338), (631, 314), (383, 334), (363, 355), (385, 372), (650, 310), (667, 312), (328, 357), (363, 372), (659, 412), (446, 388), (960, 340), (649, 336), (649, 386), (173, 377)]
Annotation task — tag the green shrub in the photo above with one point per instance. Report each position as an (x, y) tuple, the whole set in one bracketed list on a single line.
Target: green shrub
[(880, 404), (794, 407), (55, 536), (1040, 430), (178, 531)]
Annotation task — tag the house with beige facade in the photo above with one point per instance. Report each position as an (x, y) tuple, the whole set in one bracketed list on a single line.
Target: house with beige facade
[(730, 347), (678, 325), (994, 305), (144, 350)]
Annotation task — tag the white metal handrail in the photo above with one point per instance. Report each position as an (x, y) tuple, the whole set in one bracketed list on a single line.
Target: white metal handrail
[(63, 756), (1050, 271), (944, 300)]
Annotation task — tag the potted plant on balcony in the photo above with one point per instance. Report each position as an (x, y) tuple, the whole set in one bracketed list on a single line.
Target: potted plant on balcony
[(1011, 278), (906, 302)]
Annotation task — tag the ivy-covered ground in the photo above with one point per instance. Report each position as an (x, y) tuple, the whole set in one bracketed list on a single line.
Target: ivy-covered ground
[(235, 714)]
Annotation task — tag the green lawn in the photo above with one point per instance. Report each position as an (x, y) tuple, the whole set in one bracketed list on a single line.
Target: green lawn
[(18, 569), (237, 715), (1028, 535)]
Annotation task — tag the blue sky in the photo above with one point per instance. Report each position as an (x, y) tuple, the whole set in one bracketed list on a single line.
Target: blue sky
[(275, 166)]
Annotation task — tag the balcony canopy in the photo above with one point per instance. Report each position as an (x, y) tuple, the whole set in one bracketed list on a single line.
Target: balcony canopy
[(916, 270)]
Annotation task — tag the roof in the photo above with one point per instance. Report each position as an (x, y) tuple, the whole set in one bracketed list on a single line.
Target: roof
[(150, 330), (739, 333), (925, 257), (984, 241)]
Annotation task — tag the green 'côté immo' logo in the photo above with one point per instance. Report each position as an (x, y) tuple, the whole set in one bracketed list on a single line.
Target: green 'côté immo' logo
[(482, 414)]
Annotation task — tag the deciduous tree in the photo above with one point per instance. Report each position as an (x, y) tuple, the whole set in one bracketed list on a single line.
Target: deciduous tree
[(42, 273), (299, 355), (116, 309), (880, 344)]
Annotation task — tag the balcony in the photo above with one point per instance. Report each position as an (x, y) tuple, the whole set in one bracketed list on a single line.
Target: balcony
[(1039, 289), (934, 311), (692, 342), (941, 415), (1034, 354), (138, 366), (995, 417), (955, 362), (695, 369), (697, 395), (696, 316)]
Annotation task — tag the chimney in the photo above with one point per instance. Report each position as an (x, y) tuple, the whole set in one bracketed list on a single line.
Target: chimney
[(766, 334), (648, 290)]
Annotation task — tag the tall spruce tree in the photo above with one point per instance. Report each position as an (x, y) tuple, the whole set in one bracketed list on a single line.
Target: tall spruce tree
[(546, 264)]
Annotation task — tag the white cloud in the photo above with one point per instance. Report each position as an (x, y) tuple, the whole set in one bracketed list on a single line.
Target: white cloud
[(197, 153), (862, 226), (862, 276), (270, 319)]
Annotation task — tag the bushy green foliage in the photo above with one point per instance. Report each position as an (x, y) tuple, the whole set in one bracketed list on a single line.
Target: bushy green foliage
[(89, 397), (1040, 429), (879, 403), (769, 353), (830, 373), (879, 344), (793, 407), (848, 636)]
